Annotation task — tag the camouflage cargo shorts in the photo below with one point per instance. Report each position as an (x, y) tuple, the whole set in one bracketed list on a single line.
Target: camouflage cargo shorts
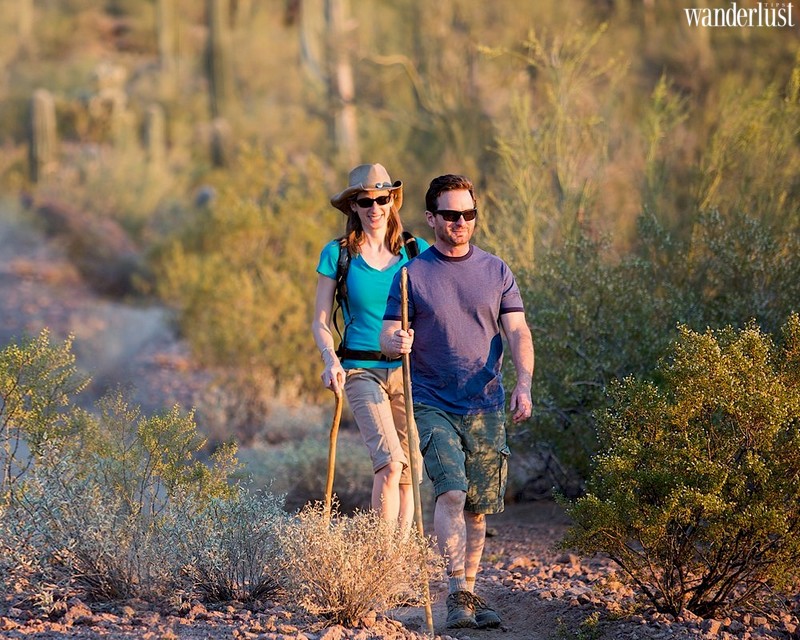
[(465, 453)]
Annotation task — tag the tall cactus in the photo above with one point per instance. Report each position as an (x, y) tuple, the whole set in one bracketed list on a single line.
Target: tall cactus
[(155, 136), (25, 26), (43, 141), (166, 31), (218, 58), (221, 142)]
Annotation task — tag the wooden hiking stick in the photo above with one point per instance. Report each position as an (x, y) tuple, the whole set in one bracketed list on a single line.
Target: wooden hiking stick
[(337, 416), (413, 444)]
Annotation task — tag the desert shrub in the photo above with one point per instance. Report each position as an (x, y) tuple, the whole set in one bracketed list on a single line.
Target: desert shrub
[(37, 382), (350, 567), (594, 320), (241, 275), (230, 546), (554, 150), (737, 267), (752, 160), (99, 515), (696, 494), (86, 537), (598, 317)]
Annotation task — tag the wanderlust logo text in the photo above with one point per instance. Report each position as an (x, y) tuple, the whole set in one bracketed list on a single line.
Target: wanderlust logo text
[(766, 14)]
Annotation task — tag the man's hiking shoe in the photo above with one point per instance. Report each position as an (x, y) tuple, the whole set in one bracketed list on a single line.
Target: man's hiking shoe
[(485, 616), (461, 611)]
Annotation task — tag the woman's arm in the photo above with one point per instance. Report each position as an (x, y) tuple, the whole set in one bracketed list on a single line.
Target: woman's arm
[(333, 375)]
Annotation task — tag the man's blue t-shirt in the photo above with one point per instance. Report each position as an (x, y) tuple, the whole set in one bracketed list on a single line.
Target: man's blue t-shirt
[(367, 289), (454, 307)]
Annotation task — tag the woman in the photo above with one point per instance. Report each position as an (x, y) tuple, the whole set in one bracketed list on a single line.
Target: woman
[(373, 384)]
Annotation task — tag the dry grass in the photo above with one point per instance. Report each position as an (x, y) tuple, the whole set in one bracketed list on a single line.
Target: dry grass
[(352, 567)]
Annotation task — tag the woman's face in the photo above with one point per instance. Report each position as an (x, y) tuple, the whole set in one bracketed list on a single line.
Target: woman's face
[(373, 215)]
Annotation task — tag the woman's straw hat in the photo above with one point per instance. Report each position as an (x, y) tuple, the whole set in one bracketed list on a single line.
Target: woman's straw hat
[(368, 177)]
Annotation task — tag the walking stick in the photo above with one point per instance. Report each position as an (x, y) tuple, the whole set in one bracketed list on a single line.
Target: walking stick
[(337, 416), (413, 445)]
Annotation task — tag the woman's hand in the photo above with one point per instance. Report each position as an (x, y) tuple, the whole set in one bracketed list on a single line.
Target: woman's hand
[(333, 375)]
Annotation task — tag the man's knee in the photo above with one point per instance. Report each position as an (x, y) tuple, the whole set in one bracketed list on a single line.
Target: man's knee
[(452, 500)]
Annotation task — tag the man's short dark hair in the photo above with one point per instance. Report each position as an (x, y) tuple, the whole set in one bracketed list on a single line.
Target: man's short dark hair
[(448, 182)]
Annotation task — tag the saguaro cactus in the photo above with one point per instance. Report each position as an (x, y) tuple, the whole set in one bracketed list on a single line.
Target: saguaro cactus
[(155, 136), (25, 26), (221, 142), (218, 58), (43, 134), (166, 31), (325, 56)]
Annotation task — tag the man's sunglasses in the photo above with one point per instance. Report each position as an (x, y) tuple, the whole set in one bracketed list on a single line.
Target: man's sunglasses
[(366, 203), (453, 216)]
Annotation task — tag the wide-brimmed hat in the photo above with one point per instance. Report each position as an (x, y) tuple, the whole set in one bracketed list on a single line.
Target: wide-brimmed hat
[(368, 177)]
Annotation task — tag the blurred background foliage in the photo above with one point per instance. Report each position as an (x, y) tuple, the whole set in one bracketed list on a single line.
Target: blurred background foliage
[(635, 172)]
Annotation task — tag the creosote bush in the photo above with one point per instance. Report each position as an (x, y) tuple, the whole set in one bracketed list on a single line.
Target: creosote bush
[(597, 316), (37, 381), (696, 493), (350, 567)]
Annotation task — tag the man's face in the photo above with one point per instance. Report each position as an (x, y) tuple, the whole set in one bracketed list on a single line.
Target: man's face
[(458, 233)]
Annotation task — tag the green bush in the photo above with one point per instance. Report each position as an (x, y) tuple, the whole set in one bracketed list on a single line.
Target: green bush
[(597, 317), (696, 493), (241, 275), (594, 321), (99, 516), (37, 382)]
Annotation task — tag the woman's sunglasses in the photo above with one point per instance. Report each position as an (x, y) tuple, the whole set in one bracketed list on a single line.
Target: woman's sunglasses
[(452, 216), (366, 203)]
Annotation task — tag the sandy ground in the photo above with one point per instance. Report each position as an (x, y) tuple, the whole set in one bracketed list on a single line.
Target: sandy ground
[(540, 592)]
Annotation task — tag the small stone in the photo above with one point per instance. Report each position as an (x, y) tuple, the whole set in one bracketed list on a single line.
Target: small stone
[(6, 624), (711, 627)]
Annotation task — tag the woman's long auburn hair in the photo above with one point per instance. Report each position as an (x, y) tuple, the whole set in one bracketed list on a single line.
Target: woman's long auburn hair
[(354, 232)]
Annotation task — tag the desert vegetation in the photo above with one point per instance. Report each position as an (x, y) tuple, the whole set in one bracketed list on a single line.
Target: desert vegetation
[(117, 505), (641, 176)]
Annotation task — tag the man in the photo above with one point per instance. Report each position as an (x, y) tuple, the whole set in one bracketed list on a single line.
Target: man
[(459, 298)]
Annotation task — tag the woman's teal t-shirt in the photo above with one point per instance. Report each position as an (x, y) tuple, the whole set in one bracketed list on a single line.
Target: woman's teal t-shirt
[(367, 290)]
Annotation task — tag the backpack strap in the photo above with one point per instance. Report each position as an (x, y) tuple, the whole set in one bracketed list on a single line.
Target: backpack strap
[(412, 246), (342, 304)]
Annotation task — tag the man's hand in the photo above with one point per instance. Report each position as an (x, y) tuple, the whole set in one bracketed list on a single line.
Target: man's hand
[(521, 403), (394, 340), (400, 342)]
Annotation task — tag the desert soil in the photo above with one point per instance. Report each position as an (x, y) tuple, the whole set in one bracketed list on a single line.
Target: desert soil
[(541, 593)]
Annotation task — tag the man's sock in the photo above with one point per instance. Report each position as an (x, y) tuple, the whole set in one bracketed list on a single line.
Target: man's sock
[(457, 581), (470, 580)]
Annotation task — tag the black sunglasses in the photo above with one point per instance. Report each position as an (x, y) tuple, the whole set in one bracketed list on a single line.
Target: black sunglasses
[(366, 203), (453, 216)]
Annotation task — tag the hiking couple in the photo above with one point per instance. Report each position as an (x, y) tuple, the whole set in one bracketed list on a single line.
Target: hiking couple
[(459, 299)]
